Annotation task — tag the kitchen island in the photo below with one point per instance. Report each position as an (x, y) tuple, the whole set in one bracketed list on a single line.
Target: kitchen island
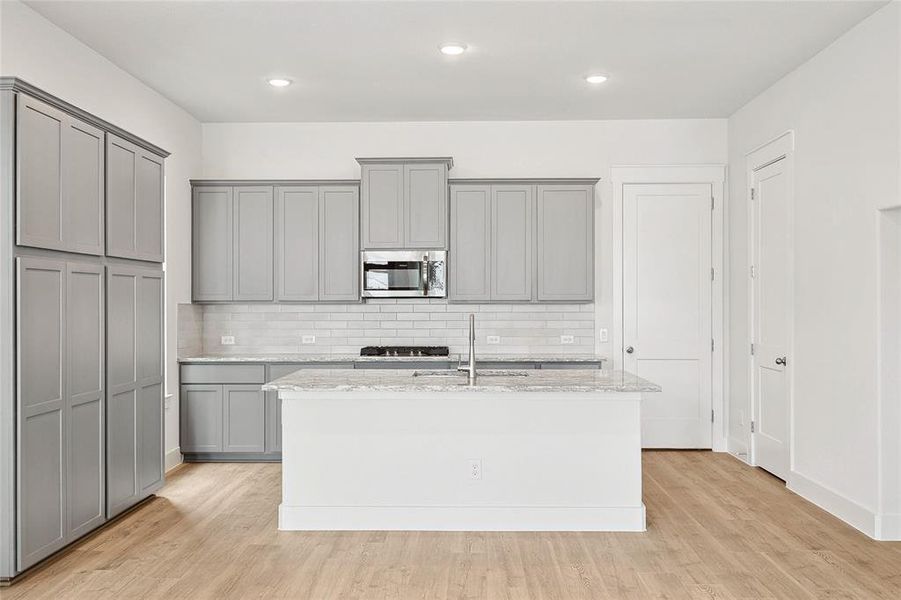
[(512, 451)]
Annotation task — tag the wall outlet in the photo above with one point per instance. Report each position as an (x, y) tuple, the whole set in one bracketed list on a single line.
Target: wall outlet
[(308, 339), (494, 339), (567, 339), (602, 333), (228, 340), (475, 468)]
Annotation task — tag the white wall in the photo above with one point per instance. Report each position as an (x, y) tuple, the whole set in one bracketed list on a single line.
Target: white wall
[(844, 108), (39, 52), (480, 149)]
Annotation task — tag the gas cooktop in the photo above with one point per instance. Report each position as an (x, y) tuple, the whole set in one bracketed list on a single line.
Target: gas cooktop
[(404, 351)]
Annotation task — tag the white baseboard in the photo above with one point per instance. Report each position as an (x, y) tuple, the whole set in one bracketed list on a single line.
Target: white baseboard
[(173, 458), (460, 518), (738, 449), (849, 511), (888, 527)]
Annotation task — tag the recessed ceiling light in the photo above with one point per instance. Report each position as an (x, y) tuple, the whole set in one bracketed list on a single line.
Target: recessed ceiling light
[(596, 78), (453, 48), (279, 82)]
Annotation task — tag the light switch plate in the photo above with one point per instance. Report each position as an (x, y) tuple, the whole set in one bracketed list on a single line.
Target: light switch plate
[(567, 339), (308, 339), (494, 339), (228, 340)]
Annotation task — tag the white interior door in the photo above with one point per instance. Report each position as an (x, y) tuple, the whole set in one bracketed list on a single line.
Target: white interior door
[(770, 273), (667, 230)]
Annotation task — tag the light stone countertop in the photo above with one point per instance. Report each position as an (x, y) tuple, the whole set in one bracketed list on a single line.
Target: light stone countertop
[(355, 358), (403, 380)]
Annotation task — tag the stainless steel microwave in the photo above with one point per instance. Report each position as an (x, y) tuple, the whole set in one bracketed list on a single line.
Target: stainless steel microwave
[(404, 273)]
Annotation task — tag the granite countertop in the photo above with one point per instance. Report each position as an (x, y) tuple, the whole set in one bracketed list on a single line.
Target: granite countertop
[(354, 358), (401, 380)]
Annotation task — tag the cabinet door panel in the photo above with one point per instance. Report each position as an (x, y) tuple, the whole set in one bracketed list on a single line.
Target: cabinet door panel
[(297, 243), (149, 195), (212, 244), (151, 373), (470, 256), (273, 422), (339, 251), (243, 415), (121, 441), (86, 470), (39, 149), (83, 185), (383, 206), (511, 242), (253, 243), (40, 411), (121, 179), (201, 418), (565, 243), (425, 206), (121, 317)]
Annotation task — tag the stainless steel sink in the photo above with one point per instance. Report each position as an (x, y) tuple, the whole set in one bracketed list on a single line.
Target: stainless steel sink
[(462, 374)]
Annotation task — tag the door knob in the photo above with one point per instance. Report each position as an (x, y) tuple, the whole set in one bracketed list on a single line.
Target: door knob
[(630, 350), (780, 361)]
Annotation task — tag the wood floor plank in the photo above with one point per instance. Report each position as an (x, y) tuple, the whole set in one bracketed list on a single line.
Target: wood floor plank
[(717, 530)]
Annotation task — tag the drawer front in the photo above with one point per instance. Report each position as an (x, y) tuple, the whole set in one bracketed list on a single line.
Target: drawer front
[(429, 365), (278, 371), (503, 365), (572, 365), (223, 374)]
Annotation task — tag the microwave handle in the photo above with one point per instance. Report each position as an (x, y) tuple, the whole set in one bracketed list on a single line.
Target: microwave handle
[(424, 275)]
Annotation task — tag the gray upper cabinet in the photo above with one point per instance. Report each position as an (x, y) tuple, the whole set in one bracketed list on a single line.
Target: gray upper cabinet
[(404, 202), (134, 385), (470, 257), (425, 205), (565, 244), (383, 205), (60, 165), (134, 201), (339, 246), (252, 248), (212, 234), (511, 242), (297, 243)]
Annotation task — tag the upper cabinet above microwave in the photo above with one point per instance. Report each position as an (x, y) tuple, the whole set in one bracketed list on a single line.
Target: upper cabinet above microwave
[(404, 202)]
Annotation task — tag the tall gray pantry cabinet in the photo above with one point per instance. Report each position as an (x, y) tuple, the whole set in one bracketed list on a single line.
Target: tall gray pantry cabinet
[(81, 323)]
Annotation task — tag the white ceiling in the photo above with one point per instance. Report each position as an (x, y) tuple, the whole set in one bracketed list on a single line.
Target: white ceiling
[(379, 61)]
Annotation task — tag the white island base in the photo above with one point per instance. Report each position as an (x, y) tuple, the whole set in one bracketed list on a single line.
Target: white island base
[(461, 460)]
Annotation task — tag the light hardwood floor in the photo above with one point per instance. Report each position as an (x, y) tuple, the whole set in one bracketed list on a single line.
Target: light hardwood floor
[(716, 529)]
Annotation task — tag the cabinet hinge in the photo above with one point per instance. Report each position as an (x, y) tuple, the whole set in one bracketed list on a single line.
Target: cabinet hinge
[(712, 420), (752, 426), (753, 194), (712, 202), (753, 272), (712, 275), (711, 344), (752, 349)]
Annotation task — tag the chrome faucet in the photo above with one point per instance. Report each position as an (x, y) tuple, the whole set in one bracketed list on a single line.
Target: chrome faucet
[(470, 368)]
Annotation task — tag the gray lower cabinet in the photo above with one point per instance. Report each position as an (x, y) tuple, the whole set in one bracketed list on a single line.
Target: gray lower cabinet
[(252, 249), (60, 395), (134, 201), (297, 243), (212, 218), (565, 244), (339, 243), (134, 385), (201, 418), (469, 264), (243, 418), (60, 164)]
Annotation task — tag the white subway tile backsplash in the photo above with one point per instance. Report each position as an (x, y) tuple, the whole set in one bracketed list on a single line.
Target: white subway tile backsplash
[(344, 328)]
